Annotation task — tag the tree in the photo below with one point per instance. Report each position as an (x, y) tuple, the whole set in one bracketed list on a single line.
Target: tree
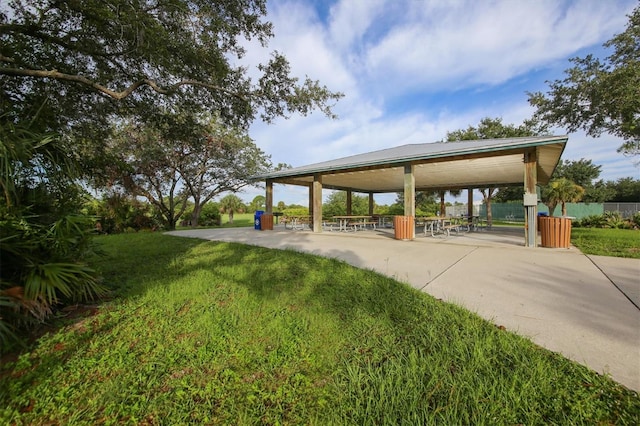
[(584, 173), (509, 193), (492, 128), (561, 191), (599, 96), (231, 204), (218, 159), (88, 60), (625, 190), (336, 204), (146, 161), (258, 203), (442, 210)]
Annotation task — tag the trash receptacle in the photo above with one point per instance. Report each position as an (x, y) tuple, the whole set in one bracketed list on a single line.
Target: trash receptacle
[(404, 227), (541, 214), (256, 219), (555, 232), (266, 222)]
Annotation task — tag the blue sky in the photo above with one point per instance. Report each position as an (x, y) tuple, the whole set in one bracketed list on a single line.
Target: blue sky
[(412, 70)]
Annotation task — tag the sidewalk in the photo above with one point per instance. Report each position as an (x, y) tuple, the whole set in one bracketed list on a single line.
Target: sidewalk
[(581, 306)]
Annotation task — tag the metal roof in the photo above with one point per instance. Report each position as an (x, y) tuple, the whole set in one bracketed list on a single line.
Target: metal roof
[(439, 165)]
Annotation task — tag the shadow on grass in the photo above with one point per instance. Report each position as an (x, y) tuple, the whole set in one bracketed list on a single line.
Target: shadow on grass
[(402, 354)]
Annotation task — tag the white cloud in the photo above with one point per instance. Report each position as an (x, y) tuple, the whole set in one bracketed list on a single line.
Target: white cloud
[(384, 53), (461, 44)]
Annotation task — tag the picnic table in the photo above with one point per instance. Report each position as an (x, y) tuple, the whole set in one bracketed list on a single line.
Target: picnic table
[(296, 223), (345, 223), (439, 224)]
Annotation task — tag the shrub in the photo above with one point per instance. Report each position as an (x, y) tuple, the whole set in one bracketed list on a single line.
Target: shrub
[(210, 215), (608, 220), (302, 211), (117, 213)]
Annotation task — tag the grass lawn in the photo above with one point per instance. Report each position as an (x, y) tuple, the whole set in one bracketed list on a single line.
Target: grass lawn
[(607, 242), (239, 220), (217, 333)]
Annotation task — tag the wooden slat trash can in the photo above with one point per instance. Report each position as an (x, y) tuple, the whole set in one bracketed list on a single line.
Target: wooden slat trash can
[(555, 232), (403, 227), (266, 222)]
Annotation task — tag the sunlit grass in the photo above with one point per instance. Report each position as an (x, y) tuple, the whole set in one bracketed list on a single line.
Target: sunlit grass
[(607, 242), (216, 333)]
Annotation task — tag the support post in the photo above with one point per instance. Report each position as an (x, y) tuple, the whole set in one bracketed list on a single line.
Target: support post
[(531, 198), (371, 203), (269, 197), (470, 202), (317, 202), (410, 195), (349, 201)]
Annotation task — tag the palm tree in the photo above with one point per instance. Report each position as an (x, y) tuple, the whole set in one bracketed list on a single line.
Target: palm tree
[(231, 204), (441, 194), (561, 191)]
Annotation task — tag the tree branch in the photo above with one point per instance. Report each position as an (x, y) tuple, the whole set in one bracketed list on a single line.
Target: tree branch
[(112, 93)]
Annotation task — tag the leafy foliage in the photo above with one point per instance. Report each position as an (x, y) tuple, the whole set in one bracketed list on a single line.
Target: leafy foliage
[(116, 213), (609, 220), (178, 158), (561, 191), (600, 96), (42, 245), (231, 204), (189, 52), (336, 204)]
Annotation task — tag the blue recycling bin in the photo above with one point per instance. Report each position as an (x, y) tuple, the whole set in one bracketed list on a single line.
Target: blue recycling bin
[(256, 219)]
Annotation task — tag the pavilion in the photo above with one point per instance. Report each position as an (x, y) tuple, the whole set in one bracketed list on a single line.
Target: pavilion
[(527, 161)]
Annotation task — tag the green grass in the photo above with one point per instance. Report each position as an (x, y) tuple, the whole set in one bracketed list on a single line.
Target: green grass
[(239, 220), (216, 333), (607, 242)]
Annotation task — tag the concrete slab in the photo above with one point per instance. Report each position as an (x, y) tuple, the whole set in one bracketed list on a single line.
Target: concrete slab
[(558, 298), (623, 273)]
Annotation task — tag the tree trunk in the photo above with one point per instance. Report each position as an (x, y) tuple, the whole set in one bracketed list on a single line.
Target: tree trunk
[(564, 209), (551, 207), (487, 196), (231, 216), (195, 216)]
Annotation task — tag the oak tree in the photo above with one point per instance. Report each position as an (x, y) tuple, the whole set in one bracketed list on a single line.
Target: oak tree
[(92, 60), (600, 96)]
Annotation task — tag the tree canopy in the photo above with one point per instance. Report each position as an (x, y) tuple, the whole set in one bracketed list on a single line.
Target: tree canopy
[(600, 95), (78, 58)]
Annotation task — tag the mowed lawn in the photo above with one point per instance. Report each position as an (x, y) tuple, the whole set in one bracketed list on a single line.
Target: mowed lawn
[(216, 333), (607, 242)]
